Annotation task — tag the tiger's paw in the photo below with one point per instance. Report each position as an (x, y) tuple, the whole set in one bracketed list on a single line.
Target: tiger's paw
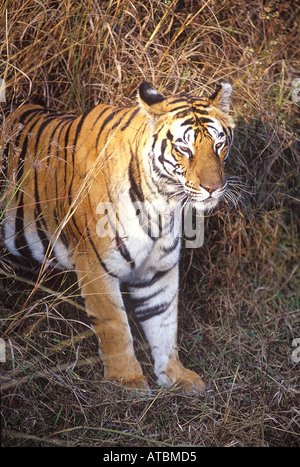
[(193, 385), (138, 383), (186, 380)]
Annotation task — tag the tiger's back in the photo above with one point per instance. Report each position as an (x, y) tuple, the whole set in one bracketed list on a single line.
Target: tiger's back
[(50, 177), (102, 193)]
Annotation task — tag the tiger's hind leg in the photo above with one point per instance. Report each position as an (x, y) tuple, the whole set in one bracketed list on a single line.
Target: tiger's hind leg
[(105, 308)]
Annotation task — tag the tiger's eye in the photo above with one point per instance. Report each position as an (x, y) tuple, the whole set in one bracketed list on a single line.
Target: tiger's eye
[(184, 150)]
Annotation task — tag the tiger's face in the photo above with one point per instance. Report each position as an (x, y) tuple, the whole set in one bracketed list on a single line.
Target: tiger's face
[(190, 143)]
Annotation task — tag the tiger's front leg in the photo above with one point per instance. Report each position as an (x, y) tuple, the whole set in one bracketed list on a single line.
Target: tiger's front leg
[(104, 305), (158, 317)]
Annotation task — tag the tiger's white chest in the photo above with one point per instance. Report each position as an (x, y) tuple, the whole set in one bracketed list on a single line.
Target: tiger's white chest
[(146, 241)]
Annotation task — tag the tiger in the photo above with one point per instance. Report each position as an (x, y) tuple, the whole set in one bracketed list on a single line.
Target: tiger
[(81, 192)]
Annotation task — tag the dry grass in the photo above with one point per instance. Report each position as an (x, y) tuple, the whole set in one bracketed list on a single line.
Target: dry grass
[(239, 292)]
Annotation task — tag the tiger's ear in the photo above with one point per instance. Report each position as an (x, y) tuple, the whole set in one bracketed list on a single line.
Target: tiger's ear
[(221, 97), (150, 100)]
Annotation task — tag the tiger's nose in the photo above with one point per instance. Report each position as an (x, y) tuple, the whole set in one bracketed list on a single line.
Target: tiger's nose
[(211, 189)]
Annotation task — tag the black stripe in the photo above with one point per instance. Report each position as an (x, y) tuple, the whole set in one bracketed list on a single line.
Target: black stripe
[(187, 130), (198, 105), (72, 218), (43, 125), (206, 120), (179, 99), (33, 111), (162, 160), (135, 190), (126, 124), (117, 124), (119, 242), (62, 235), (160, 225), (169, 135), (155, 310), (75, 224), (200, 111), (122, 249), (106, 122), (66, 140), (60, 125), (77, 132), (20, 241), (20, 165), (184, 113), (154, 141), (100, 114), (38, 211), (41, 225), (163, 146), (137, 302), (225, 132), (41, 233), (147, 283), (190, 121), (161, 175), (97, 254), (133, 303), (137, 195), (78, 126)]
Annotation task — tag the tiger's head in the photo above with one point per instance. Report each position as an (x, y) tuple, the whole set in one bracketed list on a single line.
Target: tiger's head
[(191, 138)]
